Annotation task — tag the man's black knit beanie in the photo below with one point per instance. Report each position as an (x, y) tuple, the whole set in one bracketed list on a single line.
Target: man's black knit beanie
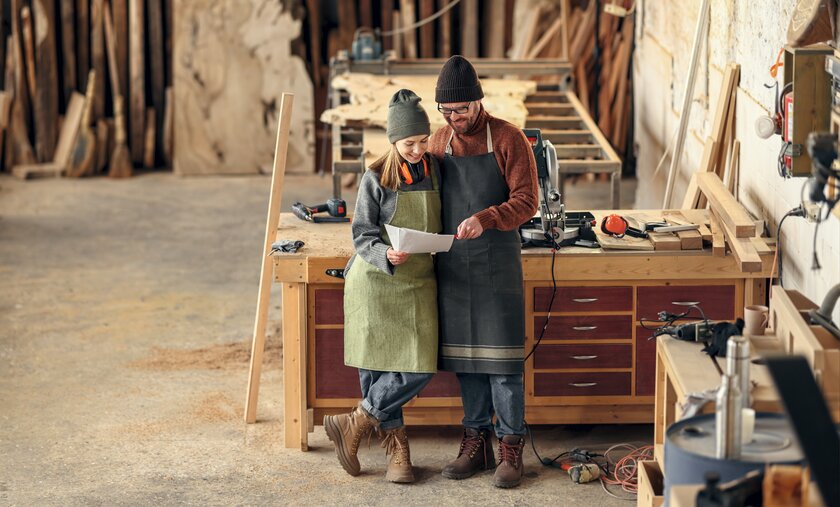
[(457, 82)]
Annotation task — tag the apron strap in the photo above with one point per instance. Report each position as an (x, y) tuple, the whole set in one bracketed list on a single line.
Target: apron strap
[(448, 149)]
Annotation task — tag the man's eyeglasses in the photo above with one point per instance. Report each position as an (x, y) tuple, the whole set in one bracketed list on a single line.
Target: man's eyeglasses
[(456, 110)]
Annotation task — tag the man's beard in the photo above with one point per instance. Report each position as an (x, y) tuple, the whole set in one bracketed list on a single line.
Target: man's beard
[(462, 127)]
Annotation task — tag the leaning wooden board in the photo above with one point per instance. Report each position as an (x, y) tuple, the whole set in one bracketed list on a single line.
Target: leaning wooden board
[(137, 83)]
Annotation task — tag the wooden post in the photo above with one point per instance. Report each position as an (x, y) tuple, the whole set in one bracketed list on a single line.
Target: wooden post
[(68, 47), (410, 36), (427, 31), (279, 172), (46, 113), (469, 28), (97, 58), (137, 69), (295, 421), (157, 75), (494, 39), (120, 12), (83, 41), (445, 49)]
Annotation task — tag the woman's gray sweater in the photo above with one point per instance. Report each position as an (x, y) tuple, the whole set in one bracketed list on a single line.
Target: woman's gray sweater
[(375, 206)]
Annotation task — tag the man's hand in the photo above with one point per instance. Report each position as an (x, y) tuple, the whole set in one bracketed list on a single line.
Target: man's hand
[(469, 229), (395, 257)]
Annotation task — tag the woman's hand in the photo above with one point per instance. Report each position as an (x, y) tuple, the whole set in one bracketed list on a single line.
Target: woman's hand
[(469, 229), (395, 257)]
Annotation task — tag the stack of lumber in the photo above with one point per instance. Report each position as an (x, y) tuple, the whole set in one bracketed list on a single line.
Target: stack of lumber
[(603, 84), (721, 151), (696, 235), (54, 119)]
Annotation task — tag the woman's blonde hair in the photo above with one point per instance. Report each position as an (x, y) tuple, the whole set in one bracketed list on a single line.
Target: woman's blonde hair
[(388, 167)]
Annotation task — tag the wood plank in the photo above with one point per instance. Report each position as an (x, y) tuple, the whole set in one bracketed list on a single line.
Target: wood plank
[(313, 15), (97, 58), (27, 33), (137, 83), (690, 240), (410, 36), (445, 29), (68, 47), (120, 24), (728, 86), (46, 110), (82, 157), (578, 151), (728, 209), (734, 168), (742, 248), (365, 14), (388, 23), (494, 29), (29, 171), (427, 31), (264, 293), (18, 148), (665, 241), (149, 146), (168, 118), (69, 130), (550, 34), (83, 41), (157, 75), (469, 28)]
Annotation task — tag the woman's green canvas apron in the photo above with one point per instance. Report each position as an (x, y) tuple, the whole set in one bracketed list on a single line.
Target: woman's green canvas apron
[(391, 322)]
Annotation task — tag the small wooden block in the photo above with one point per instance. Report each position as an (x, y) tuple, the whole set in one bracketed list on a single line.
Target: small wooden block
[(718, 241), (27, 171), (665, 241), (690, 240)]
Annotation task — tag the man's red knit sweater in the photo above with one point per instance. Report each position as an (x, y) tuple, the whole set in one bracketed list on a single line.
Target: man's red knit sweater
[(516, 162)]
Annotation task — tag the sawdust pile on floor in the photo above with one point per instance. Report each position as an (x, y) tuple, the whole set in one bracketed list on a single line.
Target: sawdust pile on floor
[(213, 407), (224, 356)]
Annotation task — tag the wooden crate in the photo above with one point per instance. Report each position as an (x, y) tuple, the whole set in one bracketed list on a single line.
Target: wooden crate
[(651, 484)]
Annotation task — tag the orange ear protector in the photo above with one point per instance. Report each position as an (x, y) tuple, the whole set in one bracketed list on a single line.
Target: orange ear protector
[(413, 173)]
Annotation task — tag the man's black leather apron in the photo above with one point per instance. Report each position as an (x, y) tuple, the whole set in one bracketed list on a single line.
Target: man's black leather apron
[(480, 290)]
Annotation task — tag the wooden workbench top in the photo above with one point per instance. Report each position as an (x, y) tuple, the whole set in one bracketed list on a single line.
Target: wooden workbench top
[(329, 245)]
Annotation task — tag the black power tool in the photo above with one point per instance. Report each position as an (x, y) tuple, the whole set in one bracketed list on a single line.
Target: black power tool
[(336, 208)]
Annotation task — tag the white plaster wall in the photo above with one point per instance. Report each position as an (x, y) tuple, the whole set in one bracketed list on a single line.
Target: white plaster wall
[(750, 33)]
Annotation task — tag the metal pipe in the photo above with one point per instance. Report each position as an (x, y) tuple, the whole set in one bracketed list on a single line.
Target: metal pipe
[(738, 365)]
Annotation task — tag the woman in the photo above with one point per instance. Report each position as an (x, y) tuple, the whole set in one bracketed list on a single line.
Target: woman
[(390, 297)]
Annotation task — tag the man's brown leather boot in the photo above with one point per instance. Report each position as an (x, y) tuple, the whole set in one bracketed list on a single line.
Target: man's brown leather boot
[(396, 446), (346, 432), (509, 472), (475, 454)]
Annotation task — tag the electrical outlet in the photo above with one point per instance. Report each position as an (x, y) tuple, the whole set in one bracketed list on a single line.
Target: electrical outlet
[(812, 211)]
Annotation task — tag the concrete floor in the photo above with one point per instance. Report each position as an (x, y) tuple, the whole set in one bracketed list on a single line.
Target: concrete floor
[(126, 310)]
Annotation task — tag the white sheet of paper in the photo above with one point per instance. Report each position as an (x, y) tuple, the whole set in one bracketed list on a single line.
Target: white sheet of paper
[(412, 241)]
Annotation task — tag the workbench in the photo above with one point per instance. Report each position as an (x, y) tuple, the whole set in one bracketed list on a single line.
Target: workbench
[(595, 363)]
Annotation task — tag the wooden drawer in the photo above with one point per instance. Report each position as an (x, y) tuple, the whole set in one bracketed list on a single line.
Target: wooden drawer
[(717, 301), (329, 306), (332, 378), (593, 327), (645, 362), (584, 299), (583, 356), (582, 384), (443, 385)]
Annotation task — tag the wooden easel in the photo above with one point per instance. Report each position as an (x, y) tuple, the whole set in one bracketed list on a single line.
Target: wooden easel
[(278, 173)]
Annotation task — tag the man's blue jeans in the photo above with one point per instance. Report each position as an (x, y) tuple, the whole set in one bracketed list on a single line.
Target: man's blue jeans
[(484, 395)]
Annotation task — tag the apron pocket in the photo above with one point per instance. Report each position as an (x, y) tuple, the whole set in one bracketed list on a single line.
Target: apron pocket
[(506, 268)]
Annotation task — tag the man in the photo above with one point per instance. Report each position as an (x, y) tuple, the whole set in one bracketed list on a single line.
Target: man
[(488, 189)]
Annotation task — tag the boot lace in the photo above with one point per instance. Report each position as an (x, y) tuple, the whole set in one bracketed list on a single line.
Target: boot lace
[(471, 444), (366, 428), (510, 453), (393, 444)]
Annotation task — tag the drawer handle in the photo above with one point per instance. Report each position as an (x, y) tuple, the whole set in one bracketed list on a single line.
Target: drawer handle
[(585, 300), (583, 384), (685, 303), (585, 328), (583, 358)]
